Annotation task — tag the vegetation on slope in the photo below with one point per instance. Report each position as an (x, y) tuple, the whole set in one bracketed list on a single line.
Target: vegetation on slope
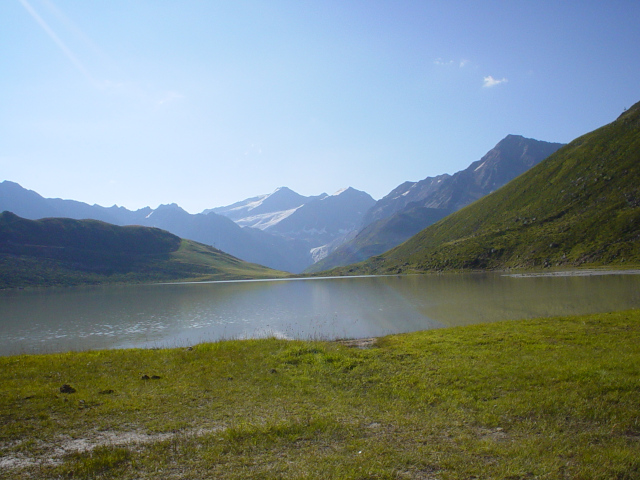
[(63, 251), (413, 206), (579, 207), (551, 398)]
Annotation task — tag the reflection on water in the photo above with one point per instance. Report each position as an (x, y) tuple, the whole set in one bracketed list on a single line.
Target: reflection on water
[(183, 314), (478, 298)]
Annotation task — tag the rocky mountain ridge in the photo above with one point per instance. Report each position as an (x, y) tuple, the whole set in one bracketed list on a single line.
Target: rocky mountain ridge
[(413, 206), (578, 207)]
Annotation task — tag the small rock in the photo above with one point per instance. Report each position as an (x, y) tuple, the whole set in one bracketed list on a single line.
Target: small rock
[(145, 377), (155, 377), (67, 389)]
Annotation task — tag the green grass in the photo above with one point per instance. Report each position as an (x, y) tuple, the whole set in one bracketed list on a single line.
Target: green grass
[(579, 207), (66, 252), (547, 398)]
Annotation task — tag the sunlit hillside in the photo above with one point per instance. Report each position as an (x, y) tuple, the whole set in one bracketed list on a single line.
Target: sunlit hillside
[(579, 207)]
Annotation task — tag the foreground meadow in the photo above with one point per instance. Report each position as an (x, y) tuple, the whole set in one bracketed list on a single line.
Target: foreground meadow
[(547, 398)]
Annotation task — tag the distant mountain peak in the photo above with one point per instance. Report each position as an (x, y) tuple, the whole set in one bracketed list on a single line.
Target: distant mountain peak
[(283, 189), (349, 191), (169, 207)]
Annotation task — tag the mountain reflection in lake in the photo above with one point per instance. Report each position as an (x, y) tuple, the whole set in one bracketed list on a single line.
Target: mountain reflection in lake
[(50, 320)]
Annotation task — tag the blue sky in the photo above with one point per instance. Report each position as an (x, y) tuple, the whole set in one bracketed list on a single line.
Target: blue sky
[(204, 103)]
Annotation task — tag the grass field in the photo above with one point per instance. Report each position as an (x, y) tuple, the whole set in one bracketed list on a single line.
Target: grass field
[(547, 398)]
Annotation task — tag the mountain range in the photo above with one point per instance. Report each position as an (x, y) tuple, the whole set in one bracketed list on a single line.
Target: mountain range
[(318, 222), (413, 206), (287, 231), (215, 230), (579, 207), (285, 244)]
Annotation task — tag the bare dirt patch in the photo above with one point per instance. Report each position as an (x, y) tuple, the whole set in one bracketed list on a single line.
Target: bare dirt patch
[(53, 452), (358, 342)]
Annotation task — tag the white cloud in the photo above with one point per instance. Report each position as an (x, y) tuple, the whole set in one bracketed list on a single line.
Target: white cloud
[(463, 63), (489, 81), (441, 62)]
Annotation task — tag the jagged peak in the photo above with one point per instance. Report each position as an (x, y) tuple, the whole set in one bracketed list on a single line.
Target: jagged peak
[(284, 191), (169, 207), (349, 191), (514, 139)]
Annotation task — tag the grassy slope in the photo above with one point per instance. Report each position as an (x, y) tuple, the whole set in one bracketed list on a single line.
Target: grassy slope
[(548, 398), (61, 251), (579, 207)]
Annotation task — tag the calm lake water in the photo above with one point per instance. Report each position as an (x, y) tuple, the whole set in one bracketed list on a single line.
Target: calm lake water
[(51, 320)]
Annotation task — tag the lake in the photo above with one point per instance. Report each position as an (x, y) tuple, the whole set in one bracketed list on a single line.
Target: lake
[(53, 320)]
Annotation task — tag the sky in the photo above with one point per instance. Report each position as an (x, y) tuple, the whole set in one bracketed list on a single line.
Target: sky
[(204, 102)]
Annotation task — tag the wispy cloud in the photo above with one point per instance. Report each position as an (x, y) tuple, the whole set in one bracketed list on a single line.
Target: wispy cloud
[(68, 53), (71, 26), (147, 94), (489, 81), (449, 63), (442, 63)]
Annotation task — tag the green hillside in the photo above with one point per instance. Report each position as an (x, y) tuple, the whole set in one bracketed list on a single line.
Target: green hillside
[(63, 251), (579, 207)]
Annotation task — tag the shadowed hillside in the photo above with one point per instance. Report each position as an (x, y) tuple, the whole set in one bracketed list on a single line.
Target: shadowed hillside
[(63, 251), (579, 207)]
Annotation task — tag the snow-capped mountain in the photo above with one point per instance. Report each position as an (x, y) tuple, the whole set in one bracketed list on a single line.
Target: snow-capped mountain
[(264, 211), (321, 222), (327, 218)]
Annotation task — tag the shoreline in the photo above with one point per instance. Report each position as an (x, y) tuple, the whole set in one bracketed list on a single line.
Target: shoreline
[(525, 392), (574, 273)]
